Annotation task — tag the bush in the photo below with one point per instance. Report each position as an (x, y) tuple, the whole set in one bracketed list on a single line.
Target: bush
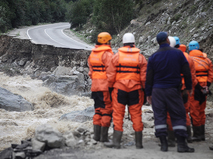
[(176, 18)]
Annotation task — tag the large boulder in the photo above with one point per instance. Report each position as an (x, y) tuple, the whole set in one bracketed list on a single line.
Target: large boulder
[(13, 102), (66, 85)]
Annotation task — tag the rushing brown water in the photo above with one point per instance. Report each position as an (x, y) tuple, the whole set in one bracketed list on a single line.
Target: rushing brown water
[(48, 108)]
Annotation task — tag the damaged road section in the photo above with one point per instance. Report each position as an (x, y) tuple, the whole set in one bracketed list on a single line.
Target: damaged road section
[(54, 65)]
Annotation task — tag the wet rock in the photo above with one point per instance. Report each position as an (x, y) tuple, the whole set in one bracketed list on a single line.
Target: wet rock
[(65, 84), (80, 69), (13, 102), (44, 75), (79, 116), (20, 155), (77, 134), (51, 136), (7, 153), (22, 62), (61, 70), (37, 145), (70, 140)]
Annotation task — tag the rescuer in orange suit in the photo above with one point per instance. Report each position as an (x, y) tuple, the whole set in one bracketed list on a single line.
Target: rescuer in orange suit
[(127, 75), (98, 62), (175, 42), (204, 76)]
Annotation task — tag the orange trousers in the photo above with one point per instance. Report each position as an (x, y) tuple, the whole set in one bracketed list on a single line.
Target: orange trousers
[(197, 111), (103, 108), (134, 100)]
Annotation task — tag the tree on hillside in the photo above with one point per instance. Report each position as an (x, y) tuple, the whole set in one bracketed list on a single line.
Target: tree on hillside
[(80, 12), (15, 13), (111, 15), (7, 13)]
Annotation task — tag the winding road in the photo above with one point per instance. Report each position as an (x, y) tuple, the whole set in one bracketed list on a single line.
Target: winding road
[(52, 34)]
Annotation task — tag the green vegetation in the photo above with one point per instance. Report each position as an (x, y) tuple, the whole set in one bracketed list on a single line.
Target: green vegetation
[(112, 16), (80, 36), (184, 23), (176, 17), (193, 9), (80, 12), (15, 13), (105, 15)]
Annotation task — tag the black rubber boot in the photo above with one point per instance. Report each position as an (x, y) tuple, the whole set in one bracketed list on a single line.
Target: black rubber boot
[(97, 132), (202, 132), (138, 139), (164, 144), (189, 138), (171, 138), (104, 134), (182, 145), (196, 133), (116, 140)]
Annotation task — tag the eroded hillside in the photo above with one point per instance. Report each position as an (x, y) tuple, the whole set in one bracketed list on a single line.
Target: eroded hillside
[(187, 19)]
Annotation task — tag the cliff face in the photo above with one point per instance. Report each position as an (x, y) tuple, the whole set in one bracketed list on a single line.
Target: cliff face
[(29, 58)]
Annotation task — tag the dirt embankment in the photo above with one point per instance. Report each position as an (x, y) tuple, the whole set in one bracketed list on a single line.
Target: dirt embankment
[(29, 58)]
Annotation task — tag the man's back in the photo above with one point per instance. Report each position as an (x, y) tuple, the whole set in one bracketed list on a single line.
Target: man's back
[(167, 64)]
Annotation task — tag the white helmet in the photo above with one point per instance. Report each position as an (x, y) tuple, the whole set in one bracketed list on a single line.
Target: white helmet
[(128, 38), (172, 41)]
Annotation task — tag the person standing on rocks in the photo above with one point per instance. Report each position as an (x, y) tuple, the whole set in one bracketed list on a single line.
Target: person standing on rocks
[(127, 75), (175, 42), (98, 62), (204, 76), (163, 85)]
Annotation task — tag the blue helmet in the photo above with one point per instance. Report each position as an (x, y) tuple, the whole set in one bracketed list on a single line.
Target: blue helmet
[(177, 40), (193, 45)]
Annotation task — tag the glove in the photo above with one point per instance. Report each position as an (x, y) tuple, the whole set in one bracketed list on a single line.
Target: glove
[(208, 84), (198, 87)]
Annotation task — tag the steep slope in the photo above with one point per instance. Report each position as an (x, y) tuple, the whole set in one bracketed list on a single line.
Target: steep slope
[(187, 19)]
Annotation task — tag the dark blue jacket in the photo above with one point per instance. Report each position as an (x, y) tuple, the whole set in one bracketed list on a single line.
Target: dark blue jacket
[(164, 69)]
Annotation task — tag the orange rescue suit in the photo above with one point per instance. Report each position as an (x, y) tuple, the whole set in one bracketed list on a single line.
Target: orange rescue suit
[(204, 74), (127, 74), (98, 62)]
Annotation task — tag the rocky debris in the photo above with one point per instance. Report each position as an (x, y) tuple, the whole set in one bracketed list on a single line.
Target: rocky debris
[(67, 81), (48, 138), (64, 70), (49, 143), (13, 102), (185, 19), (52, 137), (22, 151), (79, 116)]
